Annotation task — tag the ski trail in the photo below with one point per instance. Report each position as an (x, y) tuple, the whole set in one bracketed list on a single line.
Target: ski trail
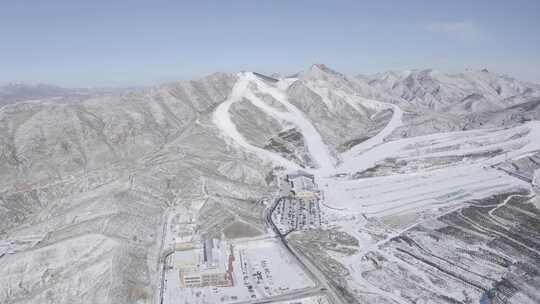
[(315, 145), (355, 154), (323, 93), (222, 119)]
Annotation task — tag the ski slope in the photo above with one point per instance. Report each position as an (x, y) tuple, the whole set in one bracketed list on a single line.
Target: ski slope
[(394, 123), (401, 193), (453, 178), (222, 119), (455, 167), (316, 147), (246, 87)]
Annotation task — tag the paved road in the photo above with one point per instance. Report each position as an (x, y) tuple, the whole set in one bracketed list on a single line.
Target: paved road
[(321, 282), (163, 257), (304, 262), (287, 297)]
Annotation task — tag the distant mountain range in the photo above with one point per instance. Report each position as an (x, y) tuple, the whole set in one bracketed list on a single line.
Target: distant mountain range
[(15, 92)]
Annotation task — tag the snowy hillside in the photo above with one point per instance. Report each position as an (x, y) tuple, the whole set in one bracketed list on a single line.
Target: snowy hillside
[(470, 91), (404, 159)]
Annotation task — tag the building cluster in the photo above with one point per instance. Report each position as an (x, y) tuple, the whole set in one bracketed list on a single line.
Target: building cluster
[(301, 209), (302, 185), (212, 265)]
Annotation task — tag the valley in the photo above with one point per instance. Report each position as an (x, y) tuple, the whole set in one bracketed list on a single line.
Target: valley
[(412, 183)]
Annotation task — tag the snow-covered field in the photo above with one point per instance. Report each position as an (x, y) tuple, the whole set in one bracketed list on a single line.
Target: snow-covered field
[(379, 196), (515, 141), (454, 167)]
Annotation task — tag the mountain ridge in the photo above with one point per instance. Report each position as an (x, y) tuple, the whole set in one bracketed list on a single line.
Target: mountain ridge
[(85, 186)]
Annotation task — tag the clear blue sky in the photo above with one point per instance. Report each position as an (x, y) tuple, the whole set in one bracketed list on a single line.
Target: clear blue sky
[(115, 42)]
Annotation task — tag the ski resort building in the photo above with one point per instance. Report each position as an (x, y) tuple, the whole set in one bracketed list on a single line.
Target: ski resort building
[(303, 185), (210, 266), (203, 279)]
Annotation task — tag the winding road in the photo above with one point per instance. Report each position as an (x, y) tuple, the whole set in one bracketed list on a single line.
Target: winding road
[(320, 279), (243, 89)]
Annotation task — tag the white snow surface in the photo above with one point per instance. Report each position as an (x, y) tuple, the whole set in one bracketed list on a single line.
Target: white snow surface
[(245, 88), (222, 119), (376, 148), (378, 139), (378, 196)]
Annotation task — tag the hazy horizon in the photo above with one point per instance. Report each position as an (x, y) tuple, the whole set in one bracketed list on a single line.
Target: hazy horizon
[(157, 83), (103, 44)]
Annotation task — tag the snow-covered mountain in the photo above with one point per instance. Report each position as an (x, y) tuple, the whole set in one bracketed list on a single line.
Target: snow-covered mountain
[(85, 187), (17, 92), (14, 92), (436, 101), (470, 91)]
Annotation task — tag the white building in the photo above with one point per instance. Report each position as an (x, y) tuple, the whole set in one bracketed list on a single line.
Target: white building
[(302, 184), (211, 266)]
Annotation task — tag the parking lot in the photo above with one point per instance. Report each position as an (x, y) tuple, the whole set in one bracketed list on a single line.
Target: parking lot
[(261, 269), (293, 213)]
